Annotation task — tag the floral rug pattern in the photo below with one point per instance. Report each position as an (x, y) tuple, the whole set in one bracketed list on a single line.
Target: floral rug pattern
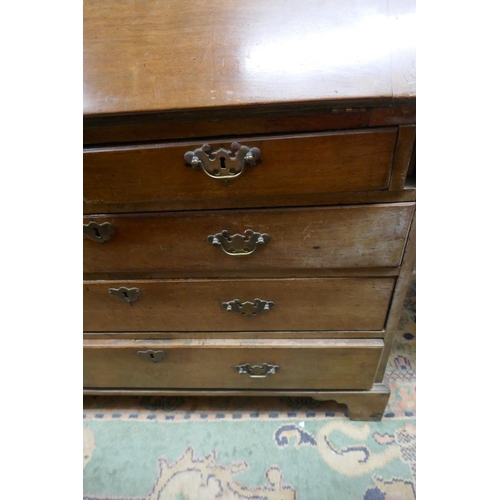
[(229, 448)]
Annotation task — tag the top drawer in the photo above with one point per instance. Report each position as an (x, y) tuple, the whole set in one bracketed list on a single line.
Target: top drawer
[(138, 178)]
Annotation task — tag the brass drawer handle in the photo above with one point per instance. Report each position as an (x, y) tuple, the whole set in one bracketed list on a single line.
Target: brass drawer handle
[(126, 294), (248, 309), (238, 244), (257, 371), (98, 232), (154, 356), (224, 163)]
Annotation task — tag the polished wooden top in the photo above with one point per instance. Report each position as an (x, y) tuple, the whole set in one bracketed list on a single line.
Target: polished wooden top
[(158, 55)]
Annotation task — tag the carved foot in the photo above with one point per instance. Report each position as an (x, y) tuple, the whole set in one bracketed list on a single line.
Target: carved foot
[(361, 405)]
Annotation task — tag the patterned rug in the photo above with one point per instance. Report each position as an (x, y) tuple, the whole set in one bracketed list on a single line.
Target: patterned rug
[(229, 448)]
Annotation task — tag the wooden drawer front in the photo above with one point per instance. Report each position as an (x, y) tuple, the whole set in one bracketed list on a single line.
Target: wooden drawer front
[(133, 178), (197, 364), (197, 305), (175, 244)]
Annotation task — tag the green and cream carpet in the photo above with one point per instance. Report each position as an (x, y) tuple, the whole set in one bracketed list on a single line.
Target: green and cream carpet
[(229, 448)]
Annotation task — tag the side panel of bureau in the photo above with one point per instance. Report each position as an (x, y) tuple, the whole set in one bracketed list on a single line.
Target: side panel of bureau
[(192, 364), (300, 239), (197, 305), (127, 178)]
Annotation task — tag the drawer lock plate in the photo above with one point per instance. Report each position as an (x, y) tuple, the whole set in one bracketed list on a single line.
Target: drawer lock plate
[(126, 294), (98, 232), (223, 164), (154, 356)]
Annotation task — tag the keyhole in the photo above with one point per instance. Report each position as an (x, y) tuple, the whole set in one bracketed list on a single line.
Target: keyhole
[(97, 233), (222, 162), (152, 356), (125, 294)]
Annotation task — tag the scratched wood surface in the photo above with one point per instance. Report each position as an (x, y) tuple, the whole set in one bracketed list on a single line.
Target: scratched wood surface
[(176, 243), (289, 165), (309, 364), (152, 55), (327, 91), (195, 305)]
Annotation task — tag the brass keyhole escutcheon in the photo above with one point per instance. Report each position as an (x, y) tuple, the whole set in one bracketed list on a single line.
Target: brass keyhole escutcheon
[(153, 356), (128, 295), (100, 232), (223, 164)]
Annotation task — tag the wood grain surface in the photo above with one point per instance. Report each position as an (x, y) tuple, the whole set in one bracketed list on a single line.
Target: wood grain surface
[(403, 157), (361, 404), (195, 305), (170, 244), (281, 335), (151, 55), (303, 364), (289, 165), (399, 296), (168, 126)]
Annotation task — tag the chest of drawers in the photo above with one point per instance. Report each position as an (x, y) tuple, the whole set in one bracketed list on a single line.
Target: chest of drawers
[(249, 197)]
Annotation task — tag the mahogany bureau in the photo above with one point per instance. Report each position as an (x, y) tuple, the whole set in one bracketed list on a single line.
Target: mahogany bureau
[(249, 196)]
